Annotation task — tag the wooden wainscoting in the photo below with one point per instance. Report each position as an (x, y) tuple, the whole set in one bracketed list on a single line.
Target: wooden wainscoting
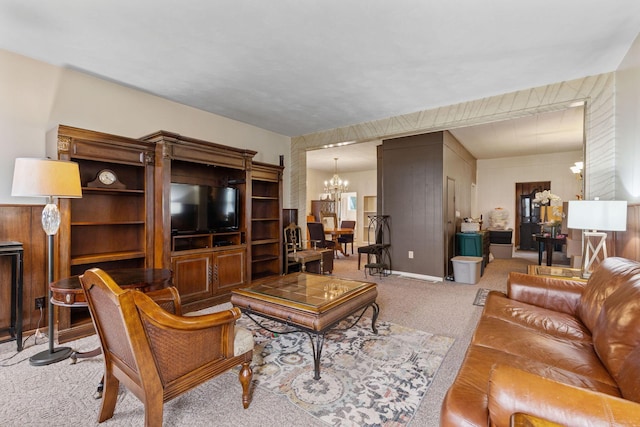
[(22, 223), (628, 242)]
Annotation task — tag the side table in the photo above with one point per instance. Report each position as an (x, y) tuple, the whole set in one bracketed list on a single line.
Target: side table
[(15, 250), (546, 243)]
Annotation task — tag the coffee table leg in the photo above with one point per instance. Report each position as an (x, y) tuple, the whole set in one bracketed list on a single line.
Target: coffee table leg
[(317, 353), (376, 311)]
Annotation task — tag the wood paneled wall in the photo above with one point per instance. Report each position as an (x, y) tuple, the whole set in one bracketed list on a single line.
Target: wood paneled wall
[(627, 243), (22, 223)]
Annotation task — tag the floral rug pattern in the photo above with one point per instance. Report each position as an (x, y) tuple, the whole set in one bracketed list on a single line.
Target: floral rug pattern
[(366, 379)]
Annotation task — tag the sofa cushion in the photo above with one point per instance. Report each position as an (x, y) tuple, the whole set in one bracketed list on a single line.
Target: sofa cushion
[(602, 283), (544, 351), (555, 323), (616, 335), (547, 292)]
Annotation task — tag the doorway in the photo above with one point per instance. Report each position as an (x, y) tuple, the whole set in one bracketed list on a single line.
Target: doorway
[(524, 227), (450, 218)]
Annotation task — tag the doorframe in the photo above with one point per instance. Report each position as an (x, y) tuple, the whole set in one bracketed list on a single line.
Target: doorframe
[(521, 189), (450, 227)]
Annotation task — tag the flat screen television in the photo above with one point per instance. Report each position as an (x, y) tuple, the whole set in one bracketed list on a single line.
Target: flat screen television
[(203, 209), (223, 209)]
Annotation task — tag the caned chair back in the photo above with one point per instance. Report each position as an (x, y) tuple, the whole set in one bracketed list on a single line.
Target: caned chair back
[(116, 320), (156, 353)]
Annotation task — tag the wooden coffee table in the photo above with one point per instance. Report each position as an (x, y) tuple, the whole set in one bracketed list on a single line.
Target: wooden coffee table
[(308, 303)]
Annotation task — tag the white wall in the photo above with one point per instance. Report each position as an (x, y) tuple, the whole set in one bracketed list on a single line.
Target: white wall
[(36, 97), (497, 179), (628, 126)]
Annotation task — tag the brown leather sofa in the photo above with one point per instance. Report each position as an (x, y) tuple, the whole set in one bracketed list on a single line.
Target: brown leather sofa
[(565, 351)]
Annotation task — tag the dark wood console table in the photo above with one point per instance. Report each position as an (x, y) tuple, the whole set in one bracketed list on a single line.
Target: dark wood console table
[(15, 250), (68, 292), (547, 242)]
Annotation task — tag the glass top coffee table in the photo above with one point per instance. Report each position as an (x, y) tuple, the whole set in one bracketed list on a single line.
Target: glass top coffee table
[(308, 303)]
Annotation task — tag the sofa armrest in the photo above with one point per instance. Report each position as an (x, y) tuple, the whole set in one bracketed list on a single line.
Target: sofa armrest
[(512, 390), (562, 295)]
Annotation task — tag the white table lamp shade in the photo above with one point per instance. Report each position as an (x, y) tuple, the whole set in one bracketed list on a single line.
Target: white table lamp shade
[(46, 178), (603, 215)]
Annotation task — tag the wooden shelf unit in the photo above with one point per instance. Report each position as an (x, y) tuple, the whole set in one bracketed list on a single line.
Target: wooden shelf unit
[(130, 227), (266, 220), (107, 228)]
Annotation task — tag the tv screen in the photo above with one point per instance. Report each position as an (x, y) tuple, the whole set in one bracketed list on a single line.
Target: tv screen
[(189, 208), (223, 209), (201, 208)]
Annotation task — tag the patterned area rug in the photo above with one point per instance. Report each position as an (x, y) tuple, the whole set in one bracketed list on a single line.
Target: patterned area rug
[(481, 296), (366, 379)]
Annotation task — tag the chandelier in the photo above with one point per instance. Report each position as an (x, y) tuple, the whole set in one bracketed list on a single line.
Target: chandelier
[(335, 186)]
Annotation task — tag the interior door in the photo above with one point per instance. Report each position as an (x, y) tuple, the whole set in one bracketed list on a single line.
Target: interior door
[(521, 189), (450, 227)]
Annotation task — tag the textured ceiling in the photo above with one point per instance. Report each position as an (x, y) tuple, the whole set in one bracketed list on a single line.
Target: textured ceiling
[(301, 66)]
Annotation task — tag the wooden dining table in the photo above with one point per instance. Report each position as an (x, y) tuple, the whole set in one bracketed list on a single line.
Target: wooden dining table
[(337, 232)]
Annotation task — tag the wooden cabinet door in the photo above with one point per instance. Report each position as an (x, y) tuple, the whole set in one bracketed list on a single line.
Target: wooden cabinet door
[(228, 270), (192, 275)]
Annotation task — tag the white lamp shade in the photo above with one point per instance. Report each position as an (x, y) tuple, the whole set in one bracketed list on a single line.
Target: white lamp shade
[(46, 178), (604, 215)]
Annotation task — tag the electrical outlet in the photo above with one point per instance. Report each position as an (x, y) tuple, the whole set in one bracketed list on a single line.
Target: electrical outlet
[(410, 254), (39, 303)]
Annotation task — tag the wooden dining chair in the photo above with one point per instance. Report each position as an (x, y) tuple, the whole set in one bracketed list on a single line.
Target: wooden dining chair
[(329, 220), (158, 355)]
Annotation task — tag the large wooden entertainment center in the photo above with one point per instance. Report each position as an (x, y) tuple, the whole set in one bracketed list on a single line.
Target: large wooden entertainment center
[(127, 223)]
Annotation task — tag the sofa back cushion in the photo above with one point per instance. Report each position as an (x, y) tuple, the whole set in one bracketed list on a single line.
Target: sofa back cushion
[(616, 336), (602, 283)]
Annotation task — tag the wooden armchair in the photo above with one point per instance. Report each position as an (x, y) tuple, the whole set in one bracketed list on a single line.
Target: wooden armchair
[(158, 355)]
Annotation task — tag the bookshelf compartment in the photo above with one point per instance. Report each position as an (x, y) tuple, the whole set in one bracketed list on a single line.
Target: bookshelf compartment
[(105, 208), (103, 239)]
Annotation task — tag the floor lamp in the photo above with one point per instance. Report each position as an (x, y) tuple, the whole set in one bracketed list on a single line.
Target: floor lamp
[(47, 178), (595, 217)]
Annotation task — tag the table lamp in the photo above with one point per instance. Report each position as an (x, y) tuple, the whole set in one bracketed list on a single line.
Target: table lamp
[(595, 217), (47, 178)]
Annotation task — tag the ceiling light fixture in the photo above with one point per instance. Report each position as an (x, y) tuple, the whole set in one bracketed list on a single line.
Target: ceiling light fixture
[(335, 186)]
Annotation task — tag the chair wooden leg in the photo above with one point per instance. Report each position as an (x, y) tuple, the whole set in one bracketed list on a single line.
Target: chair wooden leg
[(109, 397), (245, 376), (153, 411)]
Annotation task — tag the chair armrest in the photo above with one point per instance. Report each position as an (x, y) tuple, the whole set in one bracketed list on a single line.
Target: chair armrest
[(562, 295), (512, 390), (185, 345), (165, 319), (168, 299)]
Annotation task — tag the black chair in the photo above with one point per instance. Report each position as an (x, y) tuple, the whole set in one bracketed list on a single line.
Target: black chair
[(318, 238), (378, 249), (347, 238)]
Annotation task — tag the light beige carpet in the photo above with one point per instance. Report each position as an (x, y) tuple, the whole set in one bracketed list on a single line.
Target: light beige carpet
[(61, 394)]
